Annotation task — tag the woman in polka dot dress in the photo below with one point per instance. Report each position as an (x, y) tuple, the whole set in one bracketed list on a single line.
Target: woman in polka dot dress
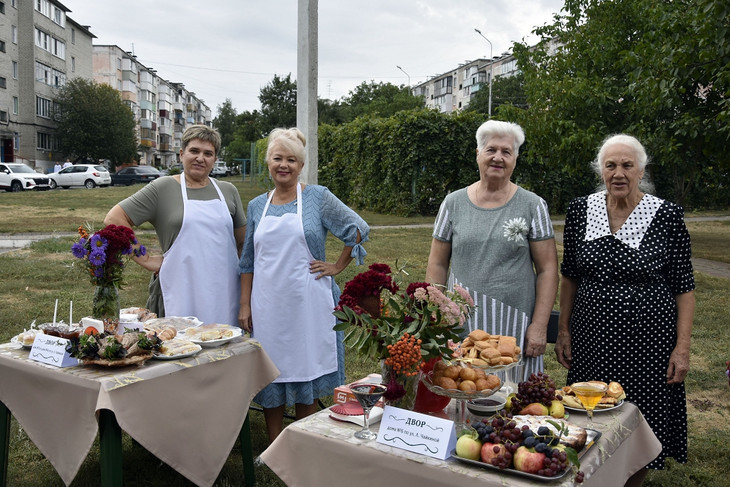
[(626, 297)]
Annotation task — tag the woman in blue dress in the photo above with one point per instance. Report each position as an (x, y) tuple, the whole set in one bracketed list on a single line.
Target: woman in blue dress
[(288, 291)]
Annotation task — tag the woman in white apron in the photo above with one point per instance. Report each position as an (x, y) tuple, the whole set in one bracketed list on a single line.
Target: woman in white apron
[(201, 225), (288, 291)]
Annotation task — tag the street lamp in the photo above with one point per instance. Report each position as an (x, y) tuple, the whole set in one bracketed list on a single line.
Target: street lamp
[(491, 70), (409, 77)]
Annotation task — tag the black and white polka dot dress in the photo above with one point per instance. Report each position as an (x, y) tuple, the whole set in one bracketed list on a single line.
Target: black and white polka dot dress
[(624, 321)]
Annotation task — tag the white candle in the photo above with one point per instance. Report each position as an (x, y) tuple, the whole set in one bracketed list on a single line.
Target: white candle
[(71, 313), (55, 310)]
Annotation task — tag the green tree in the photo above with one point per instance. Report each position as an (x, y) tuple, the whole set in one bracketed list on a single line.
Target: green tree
[(94, 123), (505, 90), (225, 122), (379, 99), (278, 104), (657, 70)]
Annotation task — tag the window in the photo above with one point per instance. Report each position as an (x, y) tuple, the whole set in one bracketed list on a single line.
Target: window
[(3, 82), (49, 43), (73, 64), (15, 69), (2, 7), (2, 46), (14, 34), (43, 107), (73, 36), (43, 73), (44, 141), (3, 116), (16, 103)]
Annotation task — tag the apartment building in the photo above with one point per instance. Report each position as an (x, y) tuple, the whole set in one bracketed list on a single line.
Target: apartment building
[(42, 49), (452, 91), (163, 109)]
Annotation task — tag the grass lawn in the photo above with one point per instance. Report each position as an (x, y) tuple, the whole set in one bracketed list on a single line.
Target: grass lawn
[(32, 279)]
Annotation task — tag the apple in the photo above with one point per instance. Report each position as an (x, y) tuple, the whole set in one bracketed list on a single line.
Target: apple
[(536, 409), (488, 451), (528, 460), (468, 447), (556, 409)]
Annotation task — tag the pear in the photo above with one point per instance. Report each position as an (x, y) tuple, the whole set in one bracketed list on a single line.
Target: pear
[(508, 404), (535, 409), (556, 409)]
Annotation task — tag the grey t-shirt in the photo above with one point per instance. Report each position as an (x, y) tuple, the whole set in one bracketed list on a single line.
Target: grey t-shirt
[(160, 203), (490, 257)]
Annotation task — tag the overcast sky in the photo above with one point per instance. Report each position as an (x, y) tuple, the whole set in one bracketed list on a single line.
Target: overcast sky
[(232, 48)]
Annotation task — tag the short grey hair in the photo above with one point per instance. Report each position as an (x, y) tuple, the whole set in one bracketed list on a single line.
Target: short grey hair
[(498, 128), (642, 160), (292, 139)]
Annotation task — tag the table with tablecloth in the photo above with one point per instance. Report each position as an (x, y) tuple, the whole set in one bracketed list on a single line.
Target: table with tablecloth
[(626, 445), (187, 412)]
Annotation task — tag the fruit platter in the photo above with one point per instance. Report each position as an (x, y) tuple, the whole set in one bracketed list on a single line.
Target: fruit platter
[(529, 437)]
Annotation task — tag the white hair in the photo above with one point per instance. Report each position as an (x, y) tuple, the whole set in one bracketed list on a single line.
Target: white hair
[(497, 128)]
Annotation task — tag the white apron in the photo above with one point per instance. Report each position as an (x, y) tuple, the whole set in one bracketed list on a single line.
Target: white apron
[(199, 272), (291, 311)]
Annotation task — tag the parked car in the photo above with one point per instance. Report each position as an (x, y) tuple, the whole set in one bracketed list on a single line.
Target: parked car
[(15, 176), (88, 175), (220, 169), (135, 174)]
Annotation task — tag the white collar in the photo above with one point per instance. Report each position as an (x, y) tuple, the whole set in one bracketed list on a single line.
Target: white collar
[(634, 228)]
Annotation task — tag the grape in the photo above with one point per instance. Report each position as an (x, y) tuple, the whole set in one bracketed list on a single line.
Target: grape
[(540, 447), (537, 388), (529, 442), (543, 431)]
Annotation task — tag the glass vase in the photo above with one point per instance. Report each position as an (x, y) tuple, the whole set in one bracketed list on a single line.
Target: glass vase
[(409, 384), (105, 305)]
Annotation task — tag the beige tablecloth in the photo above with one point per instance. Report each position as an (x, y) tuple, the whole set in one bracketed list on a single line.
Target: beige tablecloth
[(187, 412), (626, 445)]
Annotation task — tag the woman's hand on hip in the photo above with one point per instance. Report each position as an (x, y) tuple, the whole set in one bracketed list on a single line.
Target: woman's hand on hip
[(323, 269), (244, 318), (678, 366), (562, 349)]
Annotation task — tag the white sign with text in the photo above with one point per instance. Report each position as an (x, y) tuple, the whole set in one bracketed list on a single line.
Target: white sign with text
[(52, 351), (416, 432)]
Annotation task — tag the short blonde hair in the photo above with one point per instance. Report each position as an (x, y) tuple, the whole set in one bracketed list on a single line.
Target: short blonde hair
[(291, 139)]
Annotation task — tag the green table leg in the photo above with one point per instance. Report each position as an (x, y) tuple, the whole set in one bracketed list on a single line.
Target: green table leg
[(249, 476), (110, 443), (4, 443)]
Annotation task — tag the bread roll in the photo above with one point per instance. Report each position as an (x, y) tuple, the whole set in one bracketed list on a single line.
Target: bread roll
[(478, 335), (489, 354), (615, 390), (506, 345)]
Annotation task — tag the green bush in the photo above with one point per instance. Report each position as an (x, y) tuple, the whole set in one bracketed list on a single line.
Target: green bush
[(404, 164)]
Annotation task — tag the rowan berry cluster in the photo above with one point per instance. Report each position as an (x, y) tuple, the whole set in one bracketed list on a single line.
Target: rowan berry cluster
[(404, 356)]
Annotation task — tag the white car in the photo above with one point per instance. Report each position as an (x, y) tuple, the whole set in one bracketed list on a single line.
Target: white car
[(220, 169), (15, 177), (88, 175)]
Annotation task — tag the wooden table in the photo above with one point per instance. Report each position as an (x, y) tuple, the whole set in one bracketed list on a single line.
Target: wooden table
[(626, 445), (166, 406)]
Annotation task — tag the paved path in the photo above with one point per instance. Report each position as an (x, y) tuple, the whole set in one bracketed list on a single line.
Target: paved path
[(713, 268)]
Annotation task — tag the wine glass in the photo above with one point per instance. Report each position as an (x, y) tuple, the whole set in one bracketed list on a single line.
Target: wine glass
[(367, 395), (589, 394)]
